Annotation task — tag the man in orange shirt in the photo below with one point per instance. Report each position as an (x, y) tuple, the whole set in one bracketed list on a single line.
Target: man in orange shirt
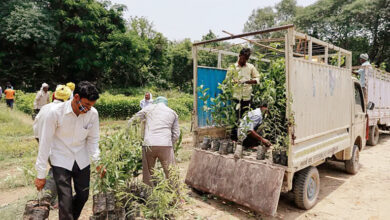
[(9, 96)]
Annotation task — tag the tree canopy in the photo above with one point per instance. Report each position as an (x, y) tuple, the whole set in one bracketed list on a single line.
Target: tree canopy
[(57, 41)]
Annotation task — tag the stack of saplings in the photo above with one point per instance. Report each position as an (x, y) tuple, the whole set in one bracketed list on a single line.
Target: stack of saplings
[(119, 194), (222, 146), (104, 207), (36, 210), (270, 90)]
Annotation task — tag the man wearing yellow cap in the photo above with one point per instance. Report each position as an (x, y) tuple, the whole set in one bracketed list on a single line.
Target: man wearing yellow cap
[(71, 87), (61, 94)]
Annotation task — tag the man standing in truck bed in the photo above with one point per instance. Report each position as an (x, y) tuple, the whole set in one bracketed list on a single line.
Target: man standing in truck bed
[(366, 66), (245, 75)]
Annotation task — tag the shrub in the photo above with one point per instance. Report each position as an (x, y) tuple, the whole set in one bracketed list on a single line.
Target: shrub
[(24, 101), (118, 106)]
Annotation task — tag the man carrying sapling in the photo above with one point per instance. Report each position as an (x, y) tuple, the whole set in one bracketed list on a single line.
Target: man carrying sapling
[(161, 132), (70, 136)]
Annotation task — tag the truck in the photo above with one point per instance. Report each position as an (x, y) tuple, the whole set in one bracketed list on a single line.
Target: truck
[(326, 108), (378, 87)]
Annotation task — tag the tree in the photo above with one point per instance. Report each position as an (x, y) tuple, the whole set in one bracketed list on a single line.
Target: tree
[(27, 35), (206, 58), (181, 69), (261, 18), (359, 25), (157, 64), (286, 10)]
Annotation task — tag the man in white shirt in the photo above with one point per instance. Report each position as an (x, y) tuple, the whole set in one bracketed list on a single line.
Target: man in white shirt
[(62, 94), (247, 131), (161, 132), (366, 66), (146, 101), (42, 98), (70, 136)]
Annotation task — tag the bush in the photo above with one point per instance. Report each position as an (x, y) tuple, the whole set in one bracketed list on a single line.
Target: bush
[(119, 106), (122, 107), (24, 101)]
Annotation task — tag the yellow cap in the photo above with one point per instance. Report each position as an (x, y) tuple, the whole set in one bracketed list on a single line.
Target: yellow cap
[(62, 92), (71, 85)]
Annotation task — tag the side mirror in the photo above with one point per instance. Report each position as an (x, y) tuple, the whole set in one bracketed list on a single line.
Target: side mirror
[(370, 106)]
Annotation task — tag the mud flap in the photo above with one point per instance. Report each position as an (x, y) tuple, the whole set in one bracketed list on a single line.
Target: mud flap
[(250, 183)]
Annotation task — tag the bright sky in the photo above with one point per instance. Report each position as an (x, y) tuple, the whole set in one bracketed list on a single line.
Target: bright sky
[(179, 19)]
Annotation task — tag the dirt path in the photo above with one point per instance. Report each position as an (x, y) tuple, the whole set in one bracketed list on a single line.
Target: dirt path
[(365, 195)]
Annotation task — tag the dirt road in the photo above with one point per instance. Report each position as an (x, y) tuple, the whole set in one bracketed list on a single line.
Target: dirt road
[(365, 195)]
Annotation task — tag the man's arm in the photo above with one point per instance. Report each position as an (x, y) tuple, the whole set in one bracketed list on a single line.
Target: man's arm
[(93, 139), (141, 115), (255, 77), (175, 130), (37, 97), (46, 139), (255, 135)]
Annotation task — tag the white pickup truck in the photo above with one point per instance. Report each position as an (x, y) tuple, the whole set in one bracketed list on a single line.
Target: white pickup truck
[(329, 116)]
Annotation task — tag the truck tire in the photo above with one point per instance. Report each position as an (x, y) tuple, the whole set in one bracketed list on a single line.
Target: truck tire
[(307, 187), (352, 165), (373, 137)]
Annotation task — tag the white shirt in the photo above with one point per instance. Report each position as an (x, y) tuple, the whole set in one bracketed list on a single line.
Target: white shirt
[(42, 98), (144, 103), (250, 122), (67, 138), (161, 125), (362, 73), (38, 121)]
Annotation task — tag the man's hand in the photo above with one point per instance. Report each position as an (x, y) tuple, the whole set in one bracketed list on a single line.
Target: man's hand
[(251, 82), (266, 142), (40, 183), (100, 171)]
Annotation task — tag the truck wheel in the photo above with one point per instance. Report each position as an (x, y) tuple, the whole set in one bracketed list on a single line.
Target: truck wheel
[(352, 165), (306, 187), (373, 137)]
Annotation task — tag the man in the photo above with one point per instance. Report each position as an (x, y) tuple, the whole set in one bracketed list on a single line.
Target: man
[(247, 131), (69, 136), (62, 94), (161, 133), (9, 95), (1, 92), (245, 75), (366, 66), (42, 98), (146, 101)]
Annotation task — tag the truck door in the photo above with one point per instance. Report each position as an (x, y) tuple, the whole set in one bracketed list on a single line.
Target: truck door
[(359, 125)]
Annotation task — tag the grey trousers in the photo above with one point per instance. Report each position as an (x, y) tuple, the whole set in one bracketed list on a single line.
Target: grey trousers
[(164, 154)]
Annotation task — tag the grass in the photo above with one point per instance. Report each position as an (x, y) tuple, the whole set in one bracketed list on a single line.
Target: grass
[(18, 151), (16, 135)]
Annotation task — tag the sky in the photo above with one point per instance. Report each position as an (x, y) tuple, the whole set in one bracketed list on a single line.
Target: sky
[(179, 19)]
